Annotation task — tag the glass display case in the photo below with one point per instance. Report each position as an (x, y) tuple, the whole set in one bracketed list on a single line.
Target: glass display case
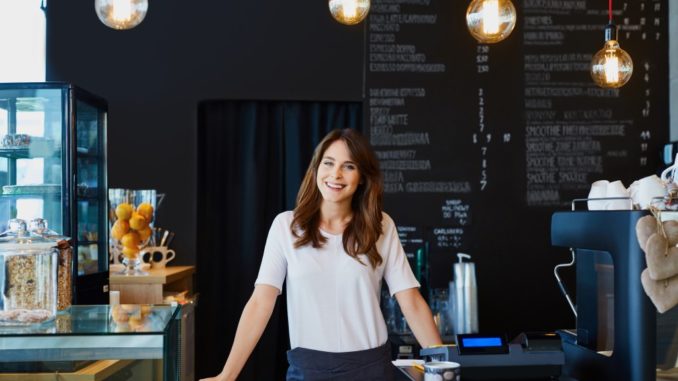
[(81, 334), (53, 166)]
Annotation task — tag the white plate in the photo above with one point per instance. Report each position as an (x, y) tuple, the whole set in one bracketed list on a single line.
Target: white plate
[(407, 362)]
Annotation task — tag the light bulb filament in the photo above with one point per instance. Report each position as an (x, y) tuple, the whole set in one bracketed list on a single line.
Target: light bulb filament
[(350, 9), (490, 15), (122, 10), (611, 67)]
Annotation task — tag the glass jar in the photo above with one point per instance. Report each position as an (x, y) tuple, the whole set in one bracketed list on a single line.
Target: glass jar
[(39, 226), (28, 276)]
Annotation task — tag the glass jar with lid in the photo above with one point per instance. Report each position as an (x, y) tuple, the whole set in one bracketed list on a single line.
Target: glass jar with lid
[(28, 276)]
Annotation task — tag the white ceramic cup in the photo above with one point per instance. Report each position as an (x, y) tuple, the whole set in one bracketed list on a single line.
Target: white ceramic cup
[(598, 190), (617, 189), (644, 190), (158, 256), (442, 371)]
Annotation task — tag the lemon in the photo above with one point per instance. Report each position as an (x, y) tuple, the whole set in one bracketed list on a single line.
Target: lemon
[(131, 239), (119, 229), (137, 222), (130, 252), (146, 210), (124, 211), (144, 233)]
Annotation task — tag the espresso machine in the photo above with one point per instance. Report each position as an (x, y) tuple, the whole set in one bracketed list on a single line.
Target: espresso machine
[(619, 335)]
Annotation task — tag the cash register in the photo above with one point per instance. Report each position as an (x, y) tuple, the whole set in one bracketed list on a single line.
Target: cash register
[(529, 356)]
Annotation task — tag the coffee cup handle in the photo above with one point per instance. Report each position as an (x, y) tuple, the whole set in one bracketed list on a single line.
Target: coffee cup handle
[(170, 257)]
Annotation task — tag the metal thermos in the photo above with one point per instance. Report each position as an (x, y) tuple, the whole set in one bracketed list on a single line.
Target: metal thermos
[(464, 296)]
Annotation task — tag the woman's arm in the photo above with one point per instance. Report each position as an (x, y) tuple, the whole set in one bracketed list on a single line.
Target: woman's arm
[(252, 323), (419, 317)]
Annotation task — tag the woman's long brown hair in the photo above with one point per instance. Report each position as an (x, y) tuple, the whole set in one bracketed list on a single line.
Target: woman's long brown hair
[(361, 234)]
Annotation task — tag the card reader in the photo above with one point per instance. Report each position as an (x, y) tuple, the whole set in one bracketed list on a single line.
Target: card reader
[(530, 356)]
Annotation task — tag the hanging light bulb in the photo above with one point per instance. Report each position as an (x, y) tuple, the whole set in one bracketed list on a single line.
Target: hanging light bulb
[(611, 67), (490, 21), (121, 14), (349, 12)]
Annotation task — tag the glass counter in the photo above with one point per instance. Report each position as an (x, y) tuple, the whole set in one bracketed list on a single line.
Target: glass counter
[(102, 332)]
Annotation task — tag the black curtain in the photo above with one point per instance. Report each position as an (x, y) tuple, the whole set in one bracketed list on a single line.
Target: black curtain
[(252, 156)]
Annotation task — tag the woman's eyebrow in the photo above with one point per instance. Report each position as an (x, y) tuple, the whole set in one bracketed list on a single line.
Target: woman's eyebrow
[(328, 157)]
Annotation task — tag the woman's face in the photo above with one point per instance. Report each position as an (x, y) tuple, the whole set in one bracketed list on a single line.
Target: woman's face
[(338, 176)]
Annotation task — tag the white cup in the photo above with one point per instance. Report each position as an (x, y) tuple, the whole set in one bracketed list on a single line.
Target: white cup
[(158, 256), (442, 371), (618, 190), (644, 190), (598, 190)]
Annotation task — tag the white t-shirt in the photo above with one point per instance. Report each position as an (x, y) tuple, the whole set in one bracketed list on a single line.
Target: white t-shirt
[(332, 300)]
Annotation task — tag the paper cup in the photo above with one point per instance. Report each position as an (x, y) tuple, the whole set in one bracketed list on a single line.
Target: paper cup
[(442, 371)]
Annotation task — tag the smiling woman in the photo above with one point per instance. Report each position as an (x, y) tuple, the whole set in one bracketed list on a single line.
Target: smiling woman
[(23, 57), (332, 253)]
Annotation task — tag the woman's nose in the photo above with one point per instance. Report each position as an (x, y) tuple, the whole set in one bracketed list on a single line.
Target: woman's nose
[(336, 172)]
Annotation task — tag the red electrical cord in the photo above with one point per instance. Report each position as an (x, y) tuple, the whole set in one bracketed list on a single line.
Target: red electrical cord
[(610, 10)]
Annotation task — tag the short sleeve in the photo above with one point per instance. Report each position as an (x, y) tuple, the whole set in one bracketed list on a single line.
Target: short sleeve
[(273, 264), (397, 272)]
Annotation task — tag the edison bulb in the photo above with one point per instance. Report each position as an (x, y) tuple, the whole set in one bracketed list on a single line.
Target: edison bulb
[(349, 12), (121, 14), (611, 67), (490, 21)]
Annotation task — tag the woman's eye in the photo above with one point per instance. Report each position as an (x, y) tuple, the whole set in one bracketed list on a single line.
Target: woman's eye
[(327, 163), (350, 167)]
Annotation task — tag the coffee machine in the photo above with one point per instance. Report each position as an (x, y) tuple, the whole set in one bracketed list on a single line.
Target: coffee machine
[(619, 335)]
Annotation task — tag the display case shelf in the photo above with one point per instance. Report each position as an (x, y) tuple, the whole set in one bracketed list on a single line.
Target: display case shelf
[(14, 153), (44, 196)]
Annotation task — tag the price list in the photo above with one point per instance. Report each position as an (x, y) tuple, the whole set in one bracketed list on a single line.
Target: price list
[(409, 97), (575, 132)]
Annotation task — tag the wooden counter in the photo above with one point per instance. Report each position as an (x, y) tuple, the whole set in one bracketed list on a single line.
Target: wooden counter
[(148, 289)]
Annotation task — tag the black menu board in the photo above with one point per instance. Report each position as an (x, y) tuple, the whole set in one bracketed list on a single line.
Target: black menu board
[(480, 144)]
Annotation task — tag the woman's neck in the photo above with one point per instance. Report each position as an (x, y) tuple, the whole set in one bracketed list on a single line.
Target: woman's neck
[(335, 217)]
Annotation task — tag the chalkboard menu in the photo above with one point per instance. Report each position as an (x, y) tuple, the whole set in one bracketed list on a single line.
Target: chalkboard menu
[(480, 144)]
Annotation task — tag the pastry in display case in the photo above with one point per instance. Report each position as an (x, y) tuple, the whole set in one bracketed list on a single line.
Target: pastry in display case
[(53, 166)]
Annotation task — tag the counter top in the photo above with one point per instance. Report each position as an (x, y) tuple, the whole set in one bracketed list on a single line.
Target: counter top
[(155, 276)]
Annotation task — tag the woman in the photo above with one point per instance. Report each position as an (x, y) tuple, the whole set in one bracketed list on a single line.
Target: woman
[(334, 249)]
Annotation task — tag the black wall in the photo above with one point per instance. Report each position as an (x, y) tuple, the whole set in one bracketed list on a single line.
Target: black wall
[(154, 75)]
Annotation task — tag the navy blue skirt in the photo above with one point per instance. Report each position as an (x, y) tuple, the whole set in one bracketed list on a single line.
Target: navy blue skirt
[(311, 365)]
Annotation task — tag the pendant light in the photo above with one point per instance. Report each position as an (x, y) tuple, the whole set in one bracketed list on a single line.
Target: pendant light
[(121, 14), (349, 12), (490, 21), (611, 67)]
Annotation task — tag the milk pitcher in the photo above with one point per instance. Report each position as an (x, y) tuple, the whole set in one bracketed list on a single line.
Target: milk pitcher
[(464, 296)]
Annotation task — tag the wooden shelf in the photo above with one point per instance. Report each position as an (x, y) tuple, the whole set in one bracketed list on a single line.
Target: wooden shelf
[(155, 276), (148, 289)]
